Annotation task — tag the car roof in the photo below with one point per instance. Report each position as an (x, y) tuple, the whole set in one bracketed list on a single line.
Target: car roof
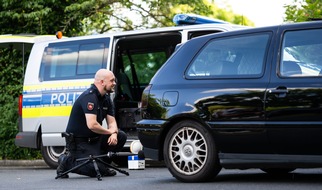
[(290, 25)]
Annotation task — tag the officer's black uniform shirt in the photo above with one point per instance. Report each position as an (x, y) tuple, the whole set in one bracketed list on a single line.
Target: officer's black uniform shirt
[(91, 102)]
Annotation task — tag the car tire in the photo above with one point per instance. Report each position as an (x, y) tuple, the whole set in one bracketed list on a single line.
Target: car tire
[(190, 153), (51, 153)]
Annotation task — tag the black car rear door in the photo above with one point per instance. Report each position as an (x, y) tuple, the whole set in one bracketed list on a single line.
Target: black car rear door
[(294, 97)]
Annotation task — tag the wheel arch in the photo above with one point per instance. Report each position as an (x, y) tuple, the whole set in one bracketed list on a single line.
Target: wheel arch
[(39, 139)]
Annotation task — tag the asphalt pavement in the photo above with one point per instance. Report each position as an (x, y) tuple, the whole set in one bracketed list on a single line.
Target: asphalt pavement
[(43, 178), (41, 163), (16, 163)]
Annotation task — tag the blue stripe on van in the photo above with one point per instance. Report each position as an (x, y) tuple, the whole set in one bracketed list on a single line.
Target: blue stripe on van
[(51, 97)]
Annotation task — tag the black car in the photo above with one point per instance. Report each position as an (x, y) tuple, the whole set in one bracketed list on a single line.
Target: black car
[(243, 99)]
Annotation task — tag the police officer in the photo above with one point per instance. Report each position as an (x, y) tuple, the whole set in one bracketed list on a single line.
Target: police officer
[(85, 125)]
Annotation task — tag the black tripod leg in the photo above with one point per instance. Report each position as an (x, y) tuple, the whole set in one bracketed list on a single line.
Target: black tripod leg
[(113, 167), (99, 177), (72, 169)]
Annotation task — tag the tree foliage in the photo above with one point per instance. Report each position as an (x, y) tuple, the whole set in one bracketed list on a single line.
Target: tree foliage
[(303, 10), (11, 82), (100, 16), (152, 14)]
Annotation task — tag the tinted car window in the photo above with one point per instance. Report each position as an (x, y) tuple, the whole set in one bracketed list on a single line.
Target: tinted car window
[(241, 56), (301, 55)]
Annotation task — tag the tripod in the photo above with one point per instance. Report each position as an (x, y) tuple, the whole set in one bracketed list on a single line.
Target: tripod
[(94, 160)]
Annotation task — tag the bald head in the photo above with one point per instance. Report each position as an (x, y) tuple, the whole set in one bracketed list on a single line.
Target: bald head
[(102, 74), (104, 81)]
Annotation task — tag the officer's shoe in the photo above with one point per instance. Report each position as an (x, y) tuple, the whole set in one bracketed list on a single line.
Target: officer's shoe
[(62, 166), (109, 172)]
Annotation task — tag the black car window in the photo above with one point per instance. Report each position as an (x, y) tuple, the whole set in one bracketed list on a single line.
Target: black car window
[(237, 57), (301, 53)]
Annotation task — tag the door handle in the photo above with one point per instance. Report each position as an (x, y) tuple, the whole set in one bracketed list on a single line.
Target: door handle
[(280, 92)]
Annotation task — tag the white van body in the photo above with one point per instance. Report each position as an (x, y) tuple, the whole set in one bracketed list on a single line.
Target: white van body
[(59, 71)]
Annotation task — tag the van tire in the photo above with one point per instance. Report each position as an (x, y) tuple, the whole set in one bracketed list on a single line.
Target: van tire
[(51, 153)]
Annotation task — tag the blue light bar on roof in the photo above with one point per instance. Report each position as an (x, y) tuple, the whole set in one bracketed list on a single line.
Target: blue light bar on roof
[(190, 19)]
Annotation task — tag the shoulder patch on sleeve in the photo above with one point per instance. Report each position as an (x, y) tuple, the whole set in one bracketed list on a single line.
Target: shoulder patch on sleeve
[(90, 106)]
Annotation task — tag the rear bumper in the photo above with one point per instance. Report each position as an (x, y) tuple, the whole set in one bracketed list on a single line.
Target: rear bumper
[(26, 139), (152, 153), (149, 133)]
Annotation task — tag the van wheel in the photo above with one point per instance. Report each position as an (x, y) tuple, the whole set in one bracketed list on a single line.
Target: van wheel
[(190, 153), (50, 154)]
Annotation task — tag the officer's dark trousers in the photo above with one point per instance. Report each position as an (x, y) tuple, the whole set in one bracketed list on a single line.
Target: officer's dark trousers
[(81, 150)]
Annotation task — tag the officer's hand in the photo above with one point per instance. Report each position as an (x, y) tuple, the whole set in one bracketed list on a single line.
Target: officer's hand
[(112, 140)]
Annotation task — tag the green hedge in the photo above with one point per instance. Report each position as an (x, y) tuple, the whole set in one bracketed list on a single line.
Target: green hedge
[(11, 80)]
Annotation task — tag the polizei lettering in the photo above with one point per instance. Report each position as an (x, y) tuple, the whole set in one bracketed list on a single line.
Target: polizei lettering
[(64, 98)]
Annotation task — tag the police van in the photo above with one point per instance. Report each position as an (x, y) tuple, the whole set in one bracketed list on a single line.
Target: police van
[(59, 71)]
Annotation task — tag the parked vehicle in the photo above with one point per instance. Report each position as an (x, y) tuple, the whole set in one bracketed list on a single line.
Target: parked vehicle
[(241, 99), (59, 71)]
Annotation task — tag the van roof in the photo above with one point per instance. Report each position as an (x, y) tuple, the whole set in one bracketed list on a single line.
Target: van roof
[(22, 41), (25, 38), (222, 26)]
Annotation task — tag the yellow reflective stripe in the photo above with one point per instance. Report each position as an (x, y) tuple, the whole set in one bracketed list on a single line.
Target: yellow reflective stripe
[(46, 111), (57, 85), (30, 112)]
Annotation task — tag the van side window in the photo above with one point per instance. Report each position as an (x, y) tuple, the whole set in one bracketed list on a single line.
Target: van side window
[(90, 58), (237, 57), (301, 54), (63, 61)]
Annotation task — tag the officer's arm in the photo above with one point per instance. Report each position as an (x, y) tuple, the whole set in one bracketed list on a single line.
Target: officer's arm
[(111, 123), (94, 126)]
